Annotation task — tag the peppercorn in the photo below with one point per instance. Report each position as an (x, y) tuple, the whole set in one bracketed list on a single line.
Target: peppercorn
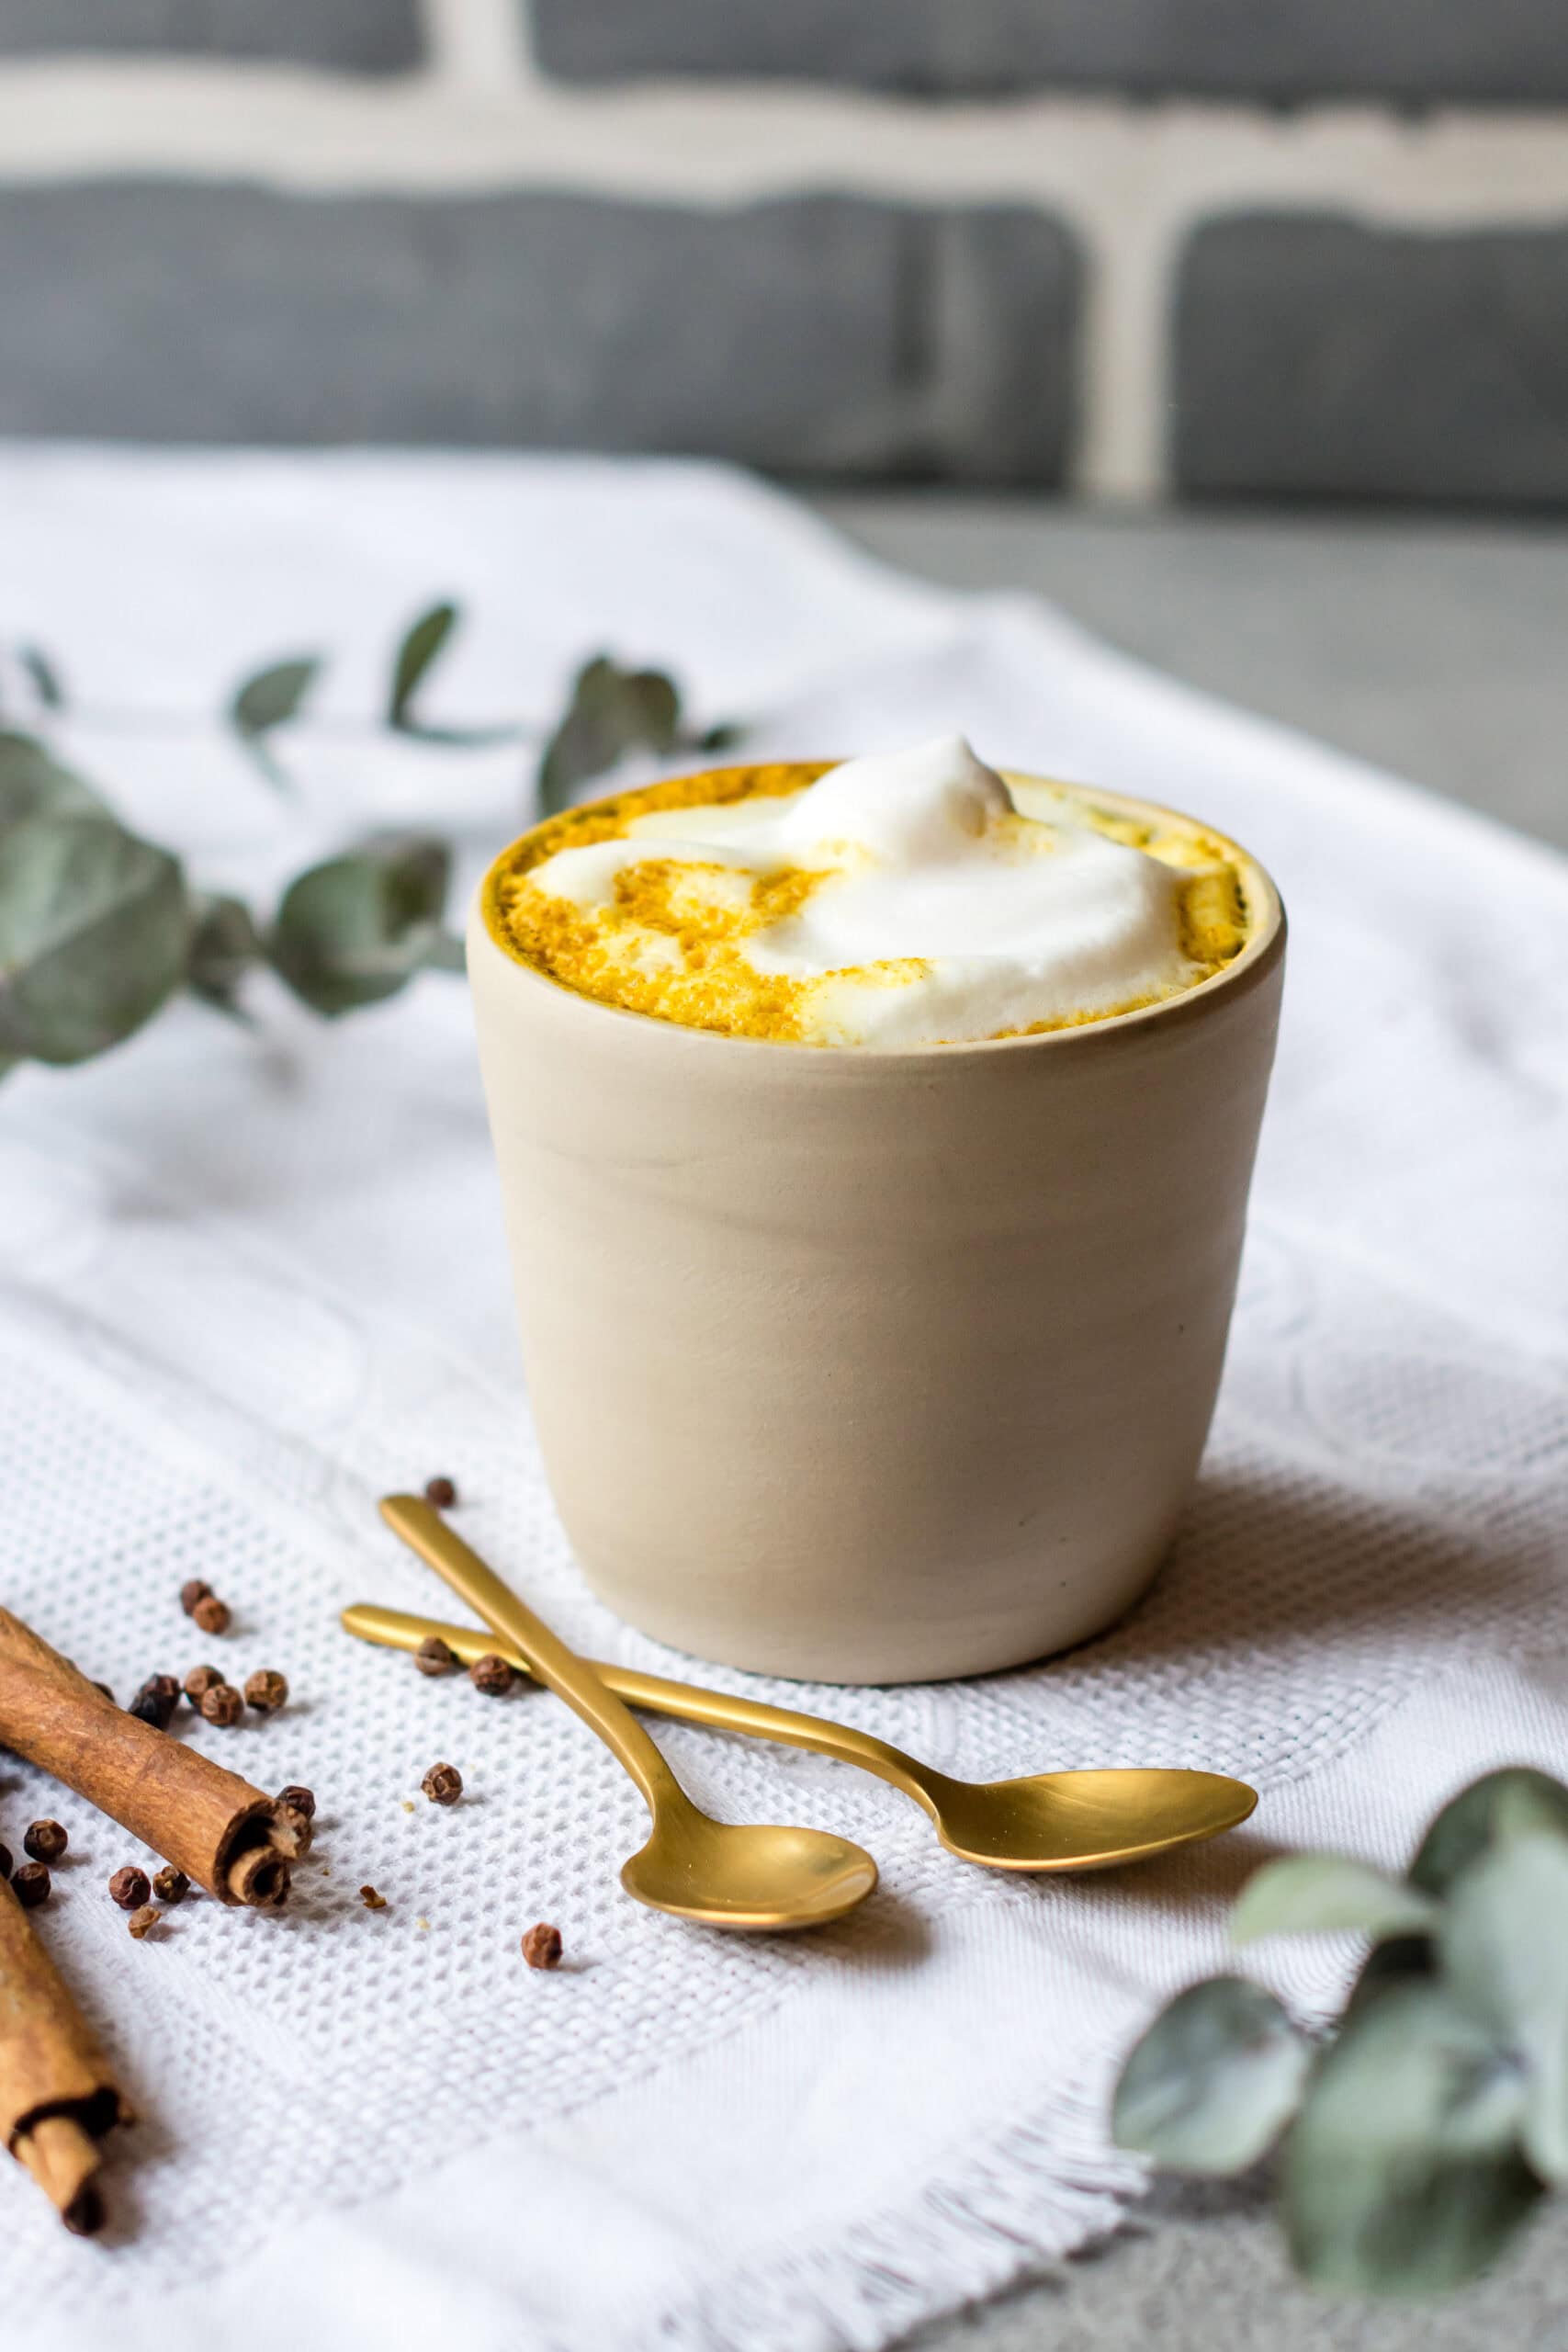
[(200, 1680), (31, 1885), (46, 1841), (298, 1799), (129, 1888), (223, 1705), (371, 1900), (433, 1657), (192, 1593), (443, 1784), (296, 1826), (6, 1860), (155, 1703), (542, 1947), (171, 1885), (143, 1921), (491, 1675), (211, 1614), (441, 1492), (268, 1691)]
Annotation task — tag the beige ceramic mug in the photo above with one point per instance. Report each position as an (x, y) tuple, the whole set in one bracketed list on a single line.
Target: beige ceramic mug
[(874, 1366)]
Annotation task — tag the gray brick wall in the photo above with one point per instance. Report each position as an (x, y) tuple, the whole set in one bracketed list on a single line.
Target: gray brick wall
[(1406, 51), (361, 36), (1318, 357), (374, 250), (819, 335)]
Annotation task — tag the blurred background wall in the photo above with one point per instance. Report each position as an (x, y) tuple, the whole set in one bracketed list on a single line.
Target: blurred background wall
[(1302, 249)]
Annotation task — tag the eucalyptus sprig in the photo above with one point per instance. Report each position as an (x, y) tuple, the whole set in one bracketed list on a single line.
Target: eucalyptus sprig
[(613, 711), (100, 928), (610, 711), (1416, 2139)]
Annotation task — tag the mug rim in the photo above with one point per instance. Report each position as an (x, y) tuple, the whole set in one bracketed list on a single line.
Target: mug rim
[(1256, 961)]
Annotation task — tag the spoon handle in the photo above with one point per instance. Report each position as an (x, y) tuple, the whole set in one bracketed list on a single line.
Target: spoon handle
[(546, 1657), (687, 1702)]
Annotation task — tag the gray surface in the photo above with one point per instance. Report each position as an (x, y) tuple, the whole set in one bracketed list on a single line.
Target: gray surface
[(1437, 650), (1480, 49), (365, 36), (1320, 357), (1202, 2269), (824, 334)]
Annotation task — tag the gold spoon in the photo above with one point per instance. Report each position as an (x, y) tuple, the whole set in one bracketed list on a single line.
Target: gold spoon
[(699, 1869), (1050, 1821)]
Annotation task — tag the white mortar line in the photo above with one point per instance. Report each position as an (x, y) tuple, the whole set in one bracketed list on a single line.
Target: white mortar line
[(477, 47), (1129, 180), (1124, 360), (723, 143), (521, 17)]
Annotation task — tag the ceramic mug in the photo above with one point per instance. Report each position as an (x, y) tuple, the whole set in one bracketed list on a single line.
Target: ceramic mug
[(874, 1366)]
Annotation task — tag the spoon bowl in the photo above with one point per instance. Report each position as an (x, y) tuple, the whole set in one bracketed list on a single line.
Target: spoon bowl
[(1080, 1821), (756, 1876)]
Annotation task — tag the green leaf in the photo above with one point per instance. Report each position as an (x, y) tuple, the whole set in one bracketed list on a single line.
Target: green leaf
[(224, 946), (419, 649), (1505, 1955), (656, 701), (94, 929), (720, 738), (612, 712), (447, 953), (273, 695), (1402, 1960), (270, 700), (357, 929), (1327, 1893), (1517, 1801), (45, 676), (34, 784), (1402, 2173), (1213, 2080)]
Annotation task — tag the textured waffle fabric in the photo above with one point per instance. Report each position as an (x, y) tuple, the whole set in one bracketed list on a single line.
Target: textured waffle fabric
[(248, 1279)]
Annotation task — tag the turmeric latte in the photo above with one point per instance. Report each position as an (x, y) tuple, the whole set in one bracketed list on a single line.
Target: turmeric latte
[(911, 899)]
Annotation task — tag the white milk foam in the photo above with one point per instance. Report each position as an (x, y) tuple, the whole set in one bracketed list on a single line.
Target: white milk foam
[(992, 921)]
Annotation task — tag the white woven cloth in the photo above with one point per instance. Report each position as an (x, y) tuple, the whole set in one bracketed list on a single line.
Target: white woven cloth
[(251, 1280)]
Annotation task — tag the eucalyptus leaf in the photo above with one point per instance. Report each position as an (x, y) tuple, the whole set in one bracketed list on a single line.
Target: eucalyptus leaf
[(1505, 1955), (655, 701), (1327, 1893), (1402, 2173), (273, 695), (34, 784), (1402, 1960), (93, 931), (447, 953), (612, 712), (1516, 1801), (46, 679), (357, 928), (224, 946), (419, 649), (270, 700), (1213, 2080)]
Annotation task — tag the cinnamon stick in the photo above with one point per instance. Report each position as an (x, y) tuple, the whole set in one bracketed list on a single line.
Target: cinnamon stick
[(57, 2096), (229, 1837)]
